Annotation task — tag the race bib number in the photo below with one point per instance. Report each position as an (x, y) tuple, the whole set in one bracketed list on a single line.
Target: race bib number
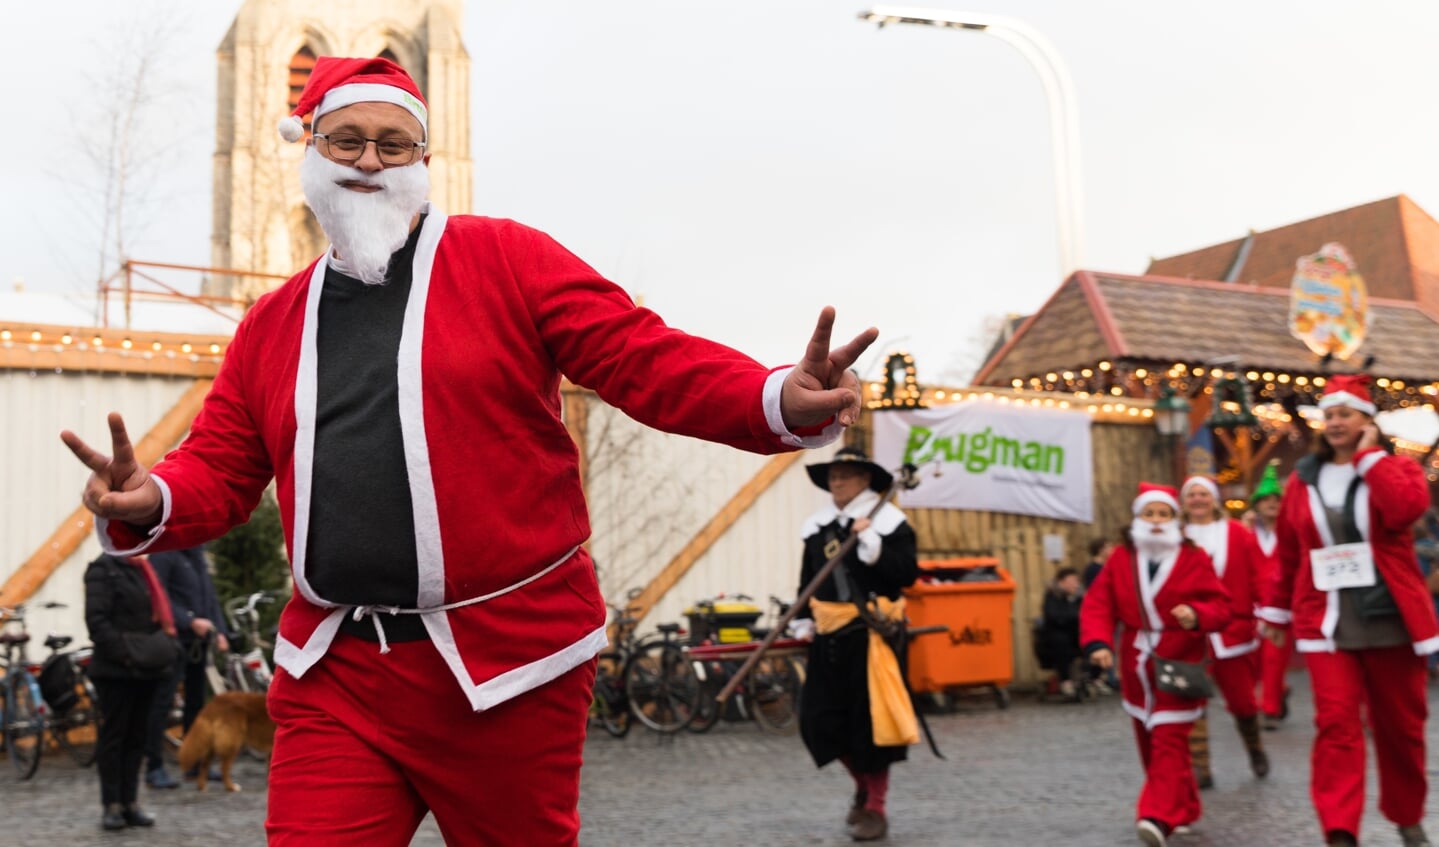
[(1343, 566)]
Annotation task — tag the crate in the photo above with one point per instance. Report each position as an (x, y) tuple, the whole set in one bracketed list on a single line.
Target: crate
[(723, 622)]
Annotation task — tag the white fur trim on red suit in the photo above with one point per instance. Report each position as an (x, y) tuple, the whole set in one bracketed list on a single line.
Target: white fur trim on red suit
[(429, 555), (1427, 646), (773, 416), (1221, 651), (1370, 458), (514, 682), (102, 526), (1276, 616)]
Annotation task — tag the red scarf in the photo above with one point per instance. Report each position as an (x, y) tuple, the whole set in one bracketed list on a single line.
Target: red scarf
[(159, 601)]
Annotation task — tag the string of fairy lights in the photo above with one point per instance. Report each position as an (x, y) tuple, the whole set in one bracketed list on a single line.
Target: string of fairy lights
[(144, 346), (1270, 404)]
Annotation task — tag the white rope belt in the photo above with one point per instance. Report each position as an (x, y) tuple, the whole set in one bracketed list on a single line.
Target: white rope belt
[(374, 611)]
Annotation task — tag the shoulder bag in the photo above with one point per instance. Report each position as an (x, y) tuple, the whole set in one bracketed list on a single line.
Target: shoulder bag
[(1182, 679)]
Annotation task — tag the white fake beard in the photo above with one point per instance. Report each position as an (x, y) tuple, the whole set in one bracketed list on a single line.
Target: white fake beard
[(365, 228), (1155, 546)]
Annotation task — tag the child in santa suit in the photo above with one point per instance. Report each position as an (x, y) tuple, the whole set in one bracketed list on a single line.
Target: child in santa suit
[(1235, 667), (1351, 594), (1165, 593), (1273, 659)]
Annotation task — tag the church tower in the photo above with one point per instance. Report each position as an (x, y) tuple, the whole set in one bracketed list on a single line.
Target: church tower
[(261, 222)]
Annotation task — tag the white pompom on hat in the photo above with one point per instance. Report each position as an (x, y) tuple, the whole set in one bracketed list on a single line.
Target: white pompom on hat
[(1152, 493), (336, 83)]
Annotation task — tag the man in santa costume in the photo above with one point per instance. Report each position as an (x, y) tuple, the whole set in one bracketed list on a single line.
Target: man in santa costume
[(1273, 659), (1164, 591), (1353, 598), (404, 393), (1237, 562)]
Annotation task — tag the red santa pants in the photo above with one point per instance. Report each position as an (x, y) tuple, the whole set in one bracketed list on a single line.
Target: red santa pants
[(1236, 679), (366, 743), (1273, 666), (1391, 682), (1170, 795)]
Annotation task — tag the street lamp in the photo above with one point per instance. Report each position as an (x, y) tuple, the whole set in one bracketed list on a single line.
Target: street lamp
[(1058, 91), (1171, 418)]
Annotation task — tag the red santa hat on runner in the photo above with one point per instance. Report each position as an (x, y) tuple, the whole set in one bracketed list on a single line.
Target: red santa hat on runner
[(1151, 493), (1203, 482), (1350, 390), (336, 83)]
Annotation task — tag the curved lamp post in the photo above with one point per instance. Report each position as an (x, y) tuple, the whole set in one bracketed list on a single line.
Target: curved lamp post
[(1058, 90)]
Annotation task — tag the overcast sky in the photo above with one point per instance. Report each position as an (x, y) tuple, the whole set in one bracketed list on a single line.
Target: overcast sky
[(738, 165)]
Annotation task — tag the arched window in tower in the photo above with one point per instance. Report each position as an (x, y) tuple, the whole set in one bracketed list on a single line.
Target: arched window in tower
[(387, 53), (301, 64)]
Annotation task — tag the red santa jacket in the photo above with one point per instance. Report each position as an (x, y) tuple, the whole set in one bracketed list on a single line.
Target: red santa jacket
[(1238, 563), (1391, 497), (1125, 594), (497, 312), (1268, 542)]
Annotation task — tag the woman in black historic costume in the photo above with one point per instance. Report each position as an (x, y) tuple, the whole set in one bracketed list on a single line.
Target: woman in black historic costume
[(835, 714)]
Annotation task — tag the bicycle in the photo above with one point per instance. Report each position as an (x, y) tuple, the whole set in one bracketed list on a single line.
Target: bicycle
[(610, 707), (771, 693), (25, 715), (250, 670), (74, 719), (660, 681)]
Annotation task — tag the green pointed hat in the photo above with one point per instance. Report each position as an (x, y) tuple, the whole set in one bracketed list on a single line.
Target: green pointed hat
[(1268, 485)]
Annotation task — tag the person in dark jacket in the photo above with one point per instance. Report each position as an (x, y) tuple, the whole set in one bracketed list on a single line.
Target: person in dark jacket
[(1059, 631), (133, 632), (199, 620), (847, 682)]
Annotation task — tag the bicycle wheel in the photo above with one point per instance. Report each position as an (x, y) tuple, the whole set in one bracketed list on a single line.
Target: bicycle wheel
[(79, 730), (609, 704), (662, 687), (774, 688), (708, 712), (24, 725)]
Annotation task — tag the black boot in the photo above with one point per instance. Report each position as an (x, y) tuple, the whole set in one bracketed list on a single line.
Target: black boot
[(856, 807), (135, 816), (1249, 731), (114, 817)]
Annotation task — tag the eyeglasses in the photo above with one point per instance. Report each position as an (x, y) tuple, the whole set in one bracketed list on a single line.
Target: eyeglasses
[(347, 148)]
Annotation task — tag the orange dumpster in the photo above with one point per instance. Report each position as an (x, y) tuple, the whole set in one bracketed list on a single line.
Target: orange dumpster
[(974, 599)]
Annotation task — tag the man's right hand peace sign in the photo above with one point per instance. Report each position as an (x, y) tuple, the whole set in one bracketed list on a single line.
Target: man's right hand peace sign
[(119, 488)]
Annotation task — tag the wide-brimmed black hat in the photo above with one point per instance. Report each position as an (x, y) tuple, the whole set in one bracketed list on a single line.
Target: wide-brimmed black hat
[(879, 478)]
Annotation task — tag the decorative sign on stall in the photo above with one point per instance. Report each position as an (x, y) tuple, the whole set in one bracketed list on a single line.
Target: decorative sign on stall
[(987, 456), (1328, 303)]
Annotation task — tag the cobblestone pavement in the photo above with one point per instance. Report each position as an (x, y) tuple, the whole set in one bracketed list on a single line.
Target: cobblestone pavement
[(1036, 773)]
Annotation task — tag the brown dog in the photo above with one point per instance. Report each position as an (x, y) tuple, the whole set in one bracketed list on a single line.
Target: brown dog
[(225, 726)]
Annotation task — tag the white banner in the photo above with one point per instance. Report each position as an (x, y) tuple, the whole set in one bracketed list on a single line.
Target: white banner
[(992, 457)]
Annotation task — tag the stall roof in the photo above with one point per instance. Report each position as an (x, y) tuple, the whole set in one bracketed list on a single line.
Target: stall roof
[(1100, 316)]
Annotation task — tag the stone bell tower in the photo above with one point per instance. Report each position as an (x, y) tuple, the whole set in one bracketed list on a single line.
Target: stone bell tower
[(261, 222)]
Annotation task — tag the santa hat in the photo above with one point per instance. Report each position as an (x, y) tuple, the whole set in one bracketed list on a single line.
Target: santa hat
[(336, 83), (1350, 390), (1151, 493), (1268, 485), (1203, 482)]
